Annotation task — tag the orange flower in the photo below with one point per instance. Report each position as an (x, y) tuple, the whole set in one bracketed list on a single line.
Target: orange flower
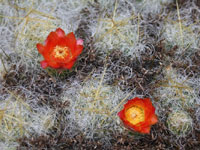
[(60, 50), (138, 114)]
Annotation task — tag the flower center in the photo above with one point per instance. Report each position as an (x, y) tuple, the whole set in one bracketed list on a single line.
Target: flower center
[(61, 52), (134, 115)]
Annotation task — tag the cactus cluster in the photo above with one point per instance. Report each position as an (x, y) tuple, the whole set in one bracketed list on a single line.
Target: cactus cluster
[(135, 30)]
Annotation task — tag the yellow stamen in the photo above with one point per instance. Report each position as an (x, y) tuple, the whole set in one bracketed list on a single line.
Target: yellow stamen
[(135, 115), (62, 52)]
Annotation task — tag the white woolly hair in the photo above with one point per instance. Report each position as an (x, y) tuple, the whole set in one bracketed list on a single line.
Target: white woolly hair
[(8, 146), (20, 118), (7, 28), (4, 66), (179, 123), (177, 91), (181, 28), (93, 108), (118, 29), (150, 6), (183, 37)]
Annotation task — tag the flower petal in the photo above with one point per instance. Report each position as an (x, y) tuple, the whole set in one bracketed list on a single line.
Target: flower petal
[(78, 50), (79, 42), (60, 32), (121, 114), (40, 48), (54, 64), (154, 119), (145, 130), (51, 41), (149, 109), (69, 65), (44, 64), (70, 41)]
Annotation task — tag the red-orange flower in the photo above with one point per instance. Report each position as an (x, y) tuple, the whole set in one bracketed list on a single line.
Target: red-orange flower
[(138, 115), (60, 50)]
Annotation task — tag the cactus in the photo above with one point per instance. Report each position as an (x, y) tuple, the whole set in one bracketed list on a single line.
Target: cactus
[(153, 6), (118, 29), (183, 37), (18, 119), (179, 123), (93, 108), (176, 90)]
